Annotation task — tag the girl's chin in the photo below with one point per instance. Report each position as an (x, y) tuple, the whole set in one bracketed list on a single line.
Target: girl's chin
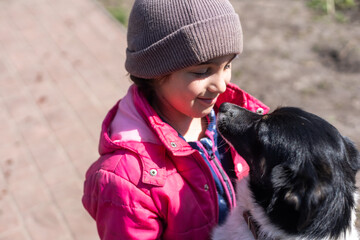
[(204, 112)]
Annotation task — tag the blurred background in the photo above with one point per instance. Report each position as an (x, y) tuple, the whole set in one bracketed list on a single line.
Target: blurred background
[(62, 68)]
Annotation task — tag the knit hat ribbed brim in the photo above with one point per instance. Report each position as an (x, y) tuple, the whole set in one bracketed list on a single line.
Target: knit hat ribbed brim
[(168, 35)]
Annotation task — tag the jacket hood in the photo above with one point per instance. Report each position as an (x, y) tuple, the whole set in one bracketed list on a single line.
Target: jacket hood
[(128, 124)]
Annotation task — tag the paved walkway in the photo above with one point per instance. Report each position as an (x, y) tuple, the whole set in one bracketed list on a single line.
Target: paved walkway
[(61, 68)]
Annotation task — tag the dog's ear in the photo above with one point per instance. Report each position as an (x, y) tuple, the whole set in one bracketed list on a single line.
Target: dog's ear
[(304, 197), (309, 204), (353, 154)]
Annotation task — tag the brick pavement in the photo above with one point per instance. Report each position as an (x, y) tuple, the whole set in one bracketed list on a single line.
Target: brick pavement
[(61, 69)]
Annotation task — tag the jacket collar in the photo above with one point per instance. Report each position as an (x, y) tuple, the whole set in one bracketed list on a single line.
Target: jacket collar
[(170, 138), (167, 135)]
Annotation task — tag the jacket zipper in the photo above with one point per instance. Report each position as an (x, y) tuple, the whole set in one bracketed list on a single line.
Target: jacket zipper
[(225, 178)]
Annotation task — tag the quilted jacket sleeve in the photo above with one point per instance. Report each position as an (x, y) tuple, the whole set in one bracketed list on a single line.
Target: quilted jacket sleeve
[(120, 208)]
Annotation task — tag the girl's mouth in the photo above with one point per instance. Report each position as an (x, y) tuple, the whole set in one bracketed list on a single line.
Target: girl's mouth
[(208, 101)]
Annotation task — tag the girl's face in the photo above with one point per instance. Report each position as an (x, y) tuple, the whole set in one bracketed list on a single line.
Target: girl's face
[(192, 92)]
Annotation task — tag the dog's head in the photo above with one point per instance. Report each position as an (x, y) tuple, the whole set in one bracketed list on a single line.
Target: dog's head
[(298, 162)]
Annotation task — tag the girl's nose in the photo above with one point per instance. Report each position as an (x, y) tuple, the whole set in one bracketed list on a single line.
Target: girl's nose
[(219, 81)]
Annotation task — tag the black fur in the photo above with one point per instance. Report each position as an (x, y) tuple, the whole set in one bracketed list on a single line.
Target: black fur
[(302, 171)]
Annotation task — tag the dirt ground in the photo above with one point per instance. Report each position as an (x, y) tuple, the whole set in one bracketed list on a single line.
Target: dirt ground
[(294, 57)]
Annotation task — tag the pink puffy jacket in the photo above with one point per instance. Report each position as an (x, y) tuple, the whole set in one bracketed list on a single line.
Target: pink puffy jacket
[(148, 182)]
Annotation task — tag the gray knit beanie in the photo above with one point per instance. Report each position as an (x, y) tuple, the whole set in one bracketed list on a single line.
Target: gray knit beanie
[(168, 35)]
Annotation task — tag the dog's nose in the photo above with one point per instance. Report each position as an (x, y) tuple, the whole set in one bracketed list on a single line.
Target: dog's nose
[(225, 107)]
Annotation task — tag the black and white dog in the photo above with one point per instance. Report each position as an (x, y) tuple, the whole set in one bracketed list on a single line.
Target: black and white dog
[(302, 176)]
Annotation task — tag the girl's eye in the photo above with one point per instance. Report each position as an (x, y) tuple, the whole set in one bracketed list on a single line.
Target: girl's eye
[(227, 66), (201, 72)]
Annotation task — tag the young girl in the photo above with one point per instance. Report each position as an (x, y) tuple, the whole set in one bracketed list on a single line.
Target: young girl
[(164, 172)]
